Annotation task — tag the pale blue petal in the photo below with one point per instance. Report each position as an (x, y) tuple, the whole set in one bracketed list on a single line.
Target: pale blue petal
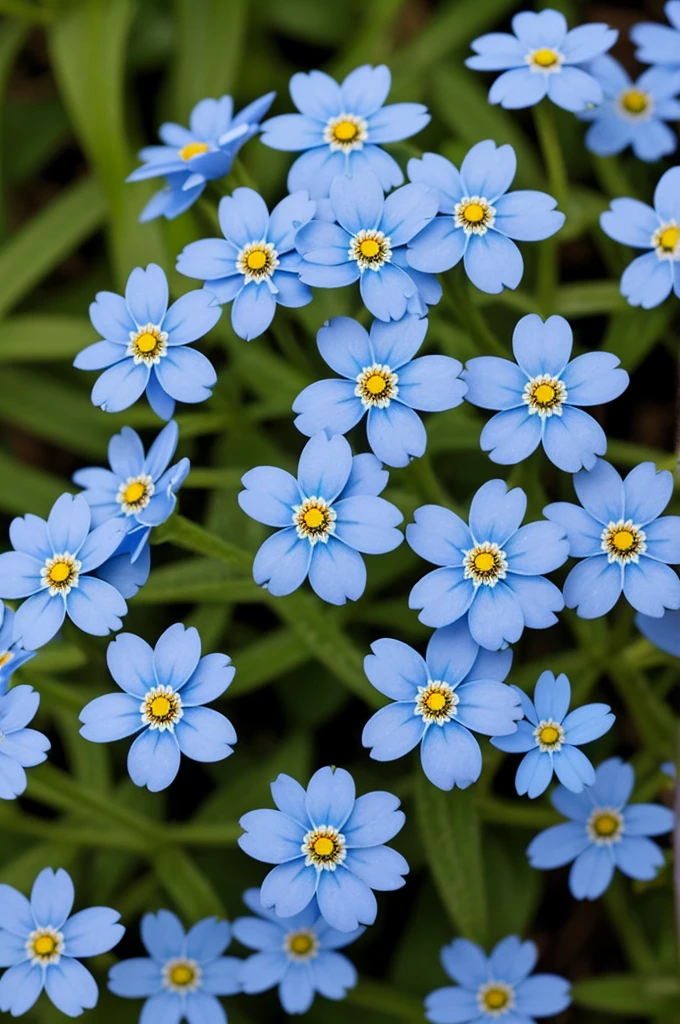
[(345, 901), (591, 873), (393, 731), (153, 760), (243, 217), (492, 262), (450, 756), (282, 562), (511, 436), (557, 846)]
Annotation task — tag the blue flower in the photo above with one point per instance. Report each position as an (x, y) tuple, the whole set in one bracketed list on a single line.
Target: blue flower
[(381, 378), (623, 544), (491, 573), (649, 279), (479, 217), (438, 702), (298, 954), (42, 945), (543, 58), (53, 565), (368, 244), (255, 264), (324, 518), (660, 44), (145, 347), (664, 632), (139, 489), (539, 398), (327, 843), (497, 987), (183, 974), (340, 128), (632, 114), (604, 833), (550, 737), (126, 575), (12, 654), (19, 747), (192, 156), (164, 690)]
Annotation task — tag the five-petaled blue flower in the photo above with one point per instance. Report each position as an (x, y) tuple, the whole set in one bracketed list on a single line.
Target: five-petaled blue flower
[(604, 833), (660, 44), (19, 747), (146, 345), (341, 128), (381, 379), (164, 690), (298, 954), (190, 157), (498, 987), (550, 737), (324, 518), (183, 974), (478, 218), (12, 654), (539, 397), (367, 242), (53, 565), (439, 701), (255, 264), (664, 632), (327, 843), (42, 945), (649, 279), (624, 545), (543, 58), (491, 572), (633, 113)]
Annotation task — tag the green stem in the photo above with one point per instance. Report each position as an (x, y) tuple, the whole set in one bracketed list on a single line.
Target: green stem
[(371, 995), (470, 317), (553, 160), (633, 939)]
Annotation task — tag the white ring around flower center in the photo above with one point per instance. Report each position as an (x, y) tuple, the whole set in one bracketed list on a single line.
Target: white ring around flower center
[(485, 564), (301, 946), (495, 998), (371, 249), (345, 133), (436, 703), (545, 60), (60, 573), (666, 241), (182, 974), (605, 826), (324, 848), (314, 520), (135, 493), (148, 344), (549, 736), (474, 214), (161, 708), (623, 542), (44, 946), (544, 396), (376, 386), (257, 261)]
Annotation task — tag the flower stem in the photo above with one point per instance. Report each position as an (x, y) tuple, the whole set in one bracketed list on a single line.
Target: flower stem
[(553, 160), (470, 317)]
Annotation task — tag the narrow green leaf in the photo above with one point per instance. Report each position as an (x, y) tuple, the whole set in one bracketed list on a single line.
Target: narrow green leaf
[(193, 895), (210, 38), (36, 337), (267, 659), (371, 995), (629, 996), (25, 487), (590, 298)]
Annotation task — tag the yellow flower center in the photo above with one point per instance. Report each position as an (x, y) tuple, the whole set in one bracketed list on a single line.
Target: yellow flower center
[(59, 572), (544, 396), (605, 826), (634, 101), (147, 344), (182, 975), (545, 58), (346, 131), (193, 149), (436, 703), (495, 999), (45, 946), (623, 542), (302, 945), (474, 213), (485, 564), (162, 708), (544, 393), (669, 238), (256, 259), (324, 848), (376, 386), (134, 492), (5, 658), (369, 248), (314, 520), (548, 734), (666, 241), (484, 561)]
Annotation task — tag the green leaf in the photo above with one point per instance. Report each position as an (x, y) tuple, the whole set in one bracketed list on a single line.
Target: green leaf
[(590, 298), (192, 893), (630, 996), (264, 661), (35, 337), (210, 38), (24, 487)]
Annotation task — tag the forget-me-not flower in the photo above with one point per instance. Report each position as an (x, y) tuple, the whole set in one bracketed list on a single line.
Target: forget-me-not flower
[(146, 345), (624, 543), (367, 241), (19, 747), (165, 689), (53, 566), (498, 987), (255, 264), (478, 218), (439, 701), (325, 518), (341, 128), (660, 44), (328, 843), (542, 58), (605, 832), (42, 945), (184, 972), (121, 572), (539, 396), (382, 381), (664, 632), (649, 279), (550, 736), (12, 654), (299, 954), (490, 572)]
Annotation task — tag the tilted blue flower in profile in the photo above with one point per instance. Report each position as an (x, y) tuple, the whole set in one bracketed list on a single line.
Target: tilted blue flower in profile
[(42, 945), (550, 736), (491, 572), (382, 381), (660, 44), (624, 542), (121, 572), (539, 397), (255, 264), (12, 654), (19, 747), (53, 565), (184, 972), (165, 689), (498, 987), (633, 113), (328, 843), (439, 702), (543, 58), (299, 954), (605, 832), (650, 278), (341, 127), (664, 632), (478, 218), (367, 242), (190, 157), (325, 518), (146, 345)]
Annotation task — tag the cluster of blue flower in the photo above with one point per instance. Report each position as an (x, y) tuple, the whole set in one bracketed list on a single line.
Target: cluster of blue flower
[(342, 223)]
